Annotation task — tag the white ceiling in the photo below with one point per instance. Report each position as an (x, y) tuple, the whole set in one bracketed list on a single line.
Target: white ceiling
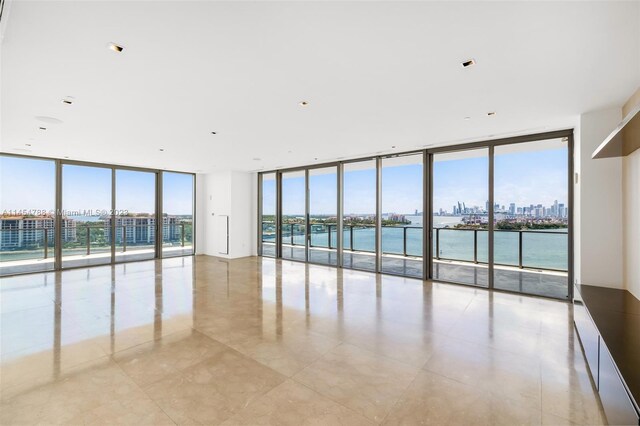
[(375, 74)]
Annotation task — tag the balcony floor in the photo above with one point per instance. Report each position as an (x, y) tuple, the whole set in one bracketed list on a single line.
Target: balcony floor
[(530, 281), (79, 260)]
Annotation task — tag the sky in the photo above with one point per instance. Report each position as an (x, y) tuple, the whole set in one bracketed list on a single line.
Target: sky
[(29, 184), (523, 178)]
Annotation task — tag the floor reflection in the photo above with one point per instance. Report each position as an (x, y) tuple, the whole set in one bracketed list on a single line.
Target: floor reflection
[(204, 340)]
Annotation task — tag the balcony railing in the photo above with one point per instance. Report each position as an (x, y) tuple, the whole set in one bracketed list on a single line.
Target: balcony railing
[(38, 243), (547, 249), (26, 243)]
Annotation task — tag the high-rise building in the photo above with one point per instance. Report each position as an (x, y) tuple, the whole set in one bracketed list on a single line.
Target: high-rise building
[(24, 230), (141, 228)]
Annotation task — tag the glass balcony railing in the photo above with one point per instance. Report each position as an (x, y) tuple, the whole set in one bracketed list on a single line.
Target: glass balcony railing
[(533, 249), (85, 240), (178, 235), (17, 244)]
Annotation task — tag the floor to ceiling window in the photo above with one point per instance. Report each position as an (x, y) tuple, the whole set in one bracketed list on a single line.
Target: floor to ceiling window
[(323, 215), (359, 216), (497, 214), (86, 200), (531, 218), (66, 214), (293, 232), (402, 218), (177, 218), (268, 215), (135, 215), (460, 216), (27, 203)]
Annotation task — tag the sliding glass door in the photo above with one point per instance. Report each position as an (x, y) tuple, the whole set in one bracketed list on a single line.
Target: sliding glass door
[(177, 218), (27, 224), (294, 223), (499, 214), (135, 215), (359, 215), (461, 216), (531, 219), (323, 215), (402, 224), (87, 207), (268, 215), (64, 214)]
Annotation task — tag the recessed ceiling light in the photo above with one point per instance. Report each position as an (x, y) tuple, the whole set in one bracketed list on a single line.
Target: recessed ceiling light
[(27, 144), (468, 63), (303, 103), (315, 158), (42, 128), (467, 118), (214, 133), (393, 146), (115, 47), (492, 113), (66, 157), (161, 150), (49, 120)]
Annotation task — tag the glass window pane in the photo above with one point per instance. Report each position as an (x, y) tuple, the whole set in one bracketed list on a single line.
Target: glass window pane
[(177, 210), (293, 232), (323, 215), (460, 216), (27, 202), (531, 218), (402, 183), (268, 214), (86, 204), (359, 215), (135, 215)]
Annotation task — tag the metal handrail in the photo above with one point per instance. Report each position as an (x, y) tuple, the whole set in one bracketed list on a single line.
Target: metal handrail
[(88, 228), (45, 238), (437, 256), (475, 245)]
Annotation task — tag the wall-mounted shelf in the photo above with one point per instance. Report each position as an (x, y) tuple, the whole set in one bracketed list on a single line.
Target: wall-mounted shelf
[(624, 139)]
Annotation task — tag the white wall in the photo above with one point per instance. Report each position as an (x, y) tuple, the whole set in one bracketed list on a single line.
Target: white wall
[(244, 210), (631, 220), (232, 194), (598, 224)]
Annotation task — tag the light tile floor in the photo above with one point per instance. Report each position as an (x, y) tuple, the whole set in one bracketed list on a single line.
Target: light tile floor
[(201, 340)]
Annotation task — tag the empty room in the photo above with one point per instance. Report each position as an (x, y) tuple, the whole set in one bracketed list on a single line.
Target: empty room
[(319, 212)]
